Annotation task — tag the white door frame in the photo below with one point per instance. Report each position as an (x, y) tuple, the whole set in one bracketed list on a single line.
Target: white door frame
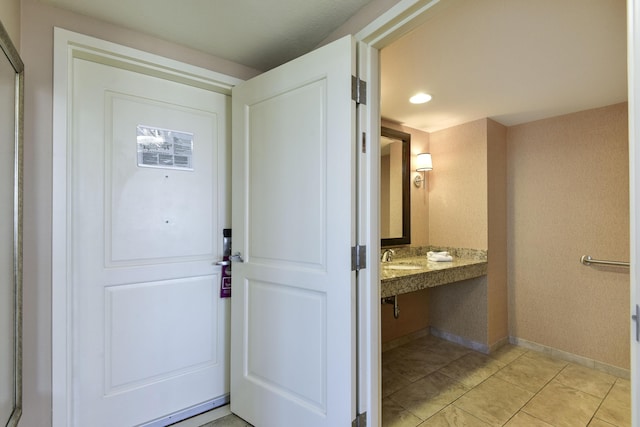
[(397, 21), (633, 76), (67, 46)]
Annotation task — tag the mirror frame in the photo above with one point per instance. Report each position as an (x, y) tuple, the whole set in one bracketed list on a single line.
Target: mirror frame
[(405, 239), (12, 56)]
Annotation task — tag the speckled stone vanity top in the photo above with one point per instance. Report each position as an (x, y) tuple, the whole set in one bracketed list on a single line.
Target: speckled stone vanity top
[(411, 271)]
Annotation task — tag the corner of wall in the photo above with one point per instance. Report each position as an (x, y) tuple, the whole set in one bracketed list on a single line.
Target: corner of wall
[(497, 294)]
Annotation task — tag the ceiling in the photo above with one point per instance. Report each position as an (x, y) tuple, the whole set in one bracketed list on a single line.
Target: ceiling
[(514, 61), (511, 60), (260, 34)]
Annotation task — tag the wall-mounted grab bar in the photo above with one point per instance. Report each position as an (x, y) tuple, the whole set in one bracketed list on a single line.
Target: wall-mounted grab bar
[(587, 260)]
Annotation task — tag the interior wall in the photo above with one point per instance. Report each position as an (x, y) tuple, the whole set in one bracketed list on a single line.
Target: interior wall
[(497, 300), (460, 310), (458, 186), (568, 192), (37, 22), (10, 18)]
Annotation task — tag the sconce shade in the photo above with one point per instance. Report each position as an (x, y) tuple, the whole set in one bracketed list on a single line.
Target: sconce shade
[(423, 162)]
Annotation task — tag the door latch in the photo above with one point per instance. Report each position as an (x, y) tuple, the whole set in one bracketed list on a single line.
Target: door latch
[(236, 257)]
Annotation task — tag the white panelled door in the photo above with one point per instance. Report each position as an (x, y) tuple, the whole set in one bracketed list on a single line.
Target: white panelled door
[(293, 306), (145, 217)]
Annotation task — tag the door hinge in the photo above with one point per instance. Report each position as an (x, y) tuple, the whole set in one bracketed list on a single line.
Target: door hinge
[(358, 90), (358, 257), (636, 318), (360, 420)]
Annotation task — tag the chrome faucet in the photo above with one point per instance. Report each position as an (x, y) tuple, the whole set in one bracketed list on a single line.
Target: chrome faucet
[(387, 254)]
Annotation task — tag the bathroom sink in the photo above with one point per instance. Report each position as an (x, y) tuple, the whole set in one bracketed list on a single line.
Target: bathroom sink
[(401, 267)]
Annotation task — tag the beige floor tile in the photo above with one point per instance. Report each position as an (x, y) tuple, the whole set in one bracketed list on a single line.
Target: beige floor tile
[(391, 381), (616, 407), (599, 423), (560, 405), (454, 417), (531, 371), (394, 415), (508, 353), (414, 364), (228, 421), (522, 419), (449, 350), (426, 342), (494, 401), (590, 381), (393, 354), (472, 368), (429, 395)]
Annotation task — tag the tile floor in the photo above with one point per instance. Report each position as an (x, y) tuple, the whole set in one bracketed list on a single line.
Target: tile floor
[(228, 421), (432, 382)]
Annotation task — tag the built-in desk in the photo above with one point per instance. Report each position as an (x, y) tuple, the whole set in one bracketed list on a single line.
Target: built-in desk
[(416, 273)]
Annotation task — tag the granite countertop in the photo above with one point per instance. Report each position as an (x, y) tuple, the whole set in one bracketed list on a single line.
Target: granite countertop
[(426, 274)]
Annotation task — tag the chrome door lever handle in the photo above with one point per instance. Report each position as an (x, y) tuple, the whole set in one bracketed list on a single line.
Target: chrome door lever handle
[(222, 263), (236, 257)]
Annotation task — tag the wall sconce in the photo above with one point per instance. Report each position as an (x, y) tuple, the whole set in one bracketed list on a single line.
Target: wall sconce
[(423, 163)]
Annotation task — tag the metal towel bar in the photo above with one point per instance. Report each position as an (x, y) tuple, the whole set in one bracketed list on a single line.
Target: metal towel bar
[(587, 260)]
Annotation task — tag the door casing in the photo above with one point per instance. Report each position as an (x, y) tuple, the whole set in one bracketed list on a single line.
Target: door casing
[(633, 76)]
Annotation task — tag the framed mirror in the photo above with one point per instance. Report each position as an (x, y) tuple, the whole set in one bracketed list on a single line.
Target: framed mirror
[(11, 125), (395, 196)]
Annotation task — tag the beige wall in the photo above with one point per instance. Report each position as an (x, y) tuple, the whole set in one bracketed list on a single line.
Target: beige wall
[(460, 309), (568, 196), (10, 18), (38, 21), (553, 190), (458, 186), (467, 209), (497, 301)]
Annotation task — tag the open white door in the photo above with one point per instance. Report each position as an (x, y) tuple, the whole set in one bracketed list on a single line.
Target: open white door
[(293, 304), (633, 58)]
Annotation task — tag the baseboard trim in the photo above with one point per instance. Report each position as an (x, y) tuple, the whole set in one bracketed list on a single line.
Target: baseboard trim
[(570, 357), (465, 342)]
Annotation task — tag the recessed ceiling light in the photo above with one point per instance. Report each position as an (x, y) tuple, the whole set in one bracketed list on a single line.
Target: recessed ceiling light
[(420, 98)]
